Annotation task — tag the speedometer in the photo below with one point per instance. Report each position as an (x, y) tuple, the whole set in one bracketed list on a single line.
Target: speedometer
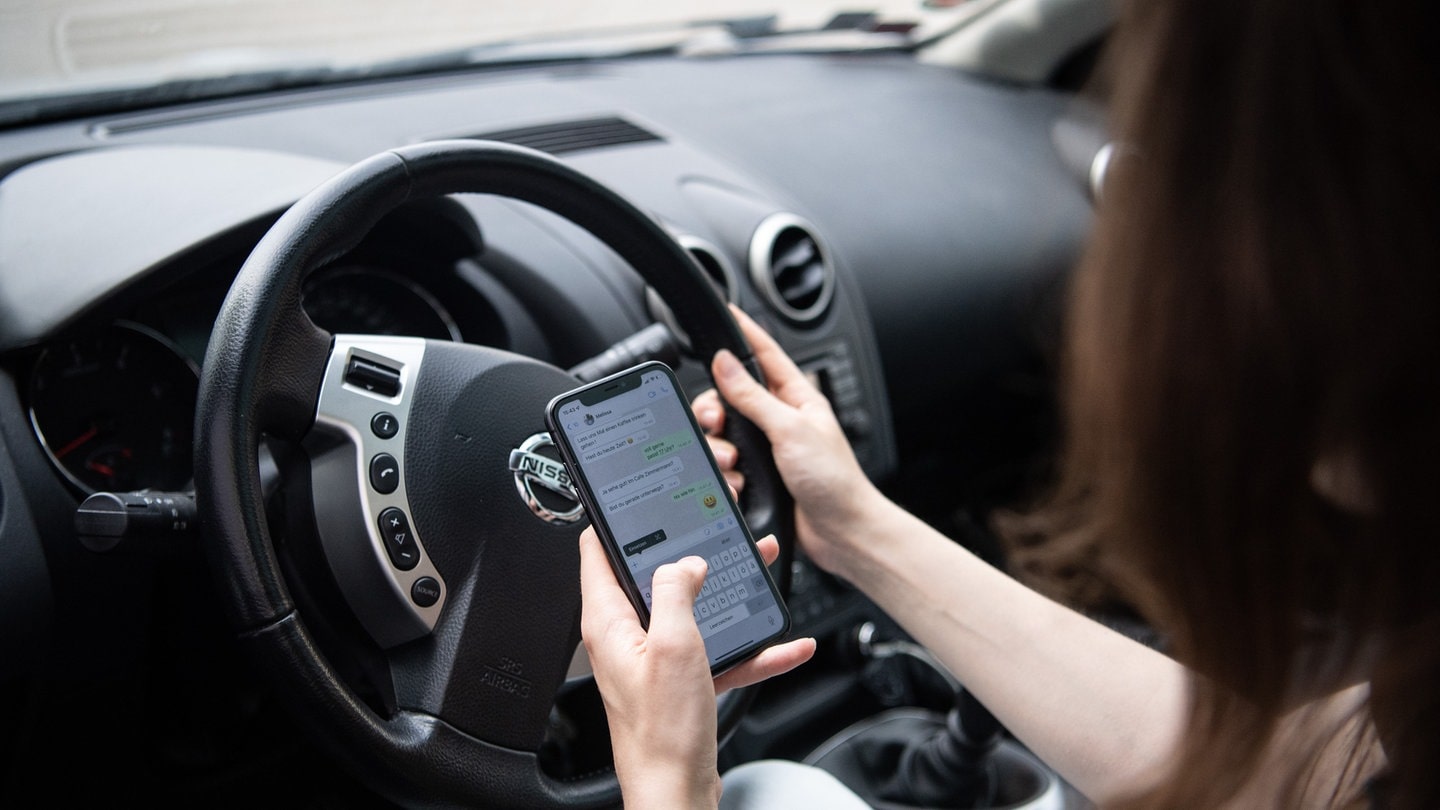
[(115, 410), (374, 301)]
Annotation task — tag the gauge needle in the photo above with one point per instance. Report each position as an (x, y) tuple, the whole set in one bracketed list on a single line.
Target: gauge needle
[(77, 441), (103, 469)]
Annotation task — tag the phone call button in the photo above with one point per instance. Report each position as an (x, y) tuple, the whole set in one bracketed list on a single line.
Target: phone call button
[(384, 473)]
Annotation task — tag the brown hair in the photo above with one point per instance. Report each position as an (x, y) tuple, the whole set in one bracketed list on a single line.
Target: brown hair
[(1252, 407)]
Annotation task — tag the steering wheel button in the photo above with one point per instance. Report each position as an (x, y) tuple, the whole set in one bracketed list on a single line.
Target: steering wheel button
[(425, 592), (384, 425), (384, 473), (399, 540), (373, 377)]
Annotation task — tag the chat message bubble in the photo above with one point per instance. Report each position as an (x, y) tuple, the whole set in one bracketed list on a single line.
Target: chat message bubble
[(711, 505), (691, 490), (666, 445), (644, 493), (705, 497), (603, 449), (630, 422), (642, 479)]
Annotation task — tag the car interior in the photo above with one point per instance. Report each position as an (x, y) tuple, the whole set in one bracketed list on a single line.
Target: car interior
[(234, 309)]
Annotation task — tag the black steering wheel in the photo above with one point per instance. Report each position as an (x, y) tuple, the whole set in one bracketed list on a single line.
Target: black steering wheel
[(414, 450)]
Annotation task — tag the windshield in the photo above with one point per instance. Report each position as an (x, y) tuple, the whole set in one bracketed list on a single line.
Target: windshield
[(66, 48)]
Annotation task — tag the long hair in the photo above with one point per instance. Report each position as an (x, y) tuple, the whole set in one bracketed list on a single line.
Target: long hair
[(1252, 412)]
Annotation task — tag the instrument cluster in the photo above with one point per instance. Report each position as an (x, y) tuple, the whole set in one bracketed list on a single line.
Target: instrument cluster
[(114, 409)]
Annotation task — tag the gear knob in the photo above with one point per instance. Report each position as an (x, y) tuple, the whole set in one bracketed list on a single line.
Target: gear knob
[(951, 768)]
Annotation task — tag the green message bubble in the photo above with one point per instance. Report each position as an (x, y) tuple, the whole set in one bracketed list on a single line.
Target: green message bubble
[(691, 490), (710, 503), (666, 445)]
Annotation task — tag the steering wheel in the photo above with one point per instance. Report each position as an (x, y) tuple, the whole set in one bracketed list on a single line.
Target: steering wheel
[(415, 451)]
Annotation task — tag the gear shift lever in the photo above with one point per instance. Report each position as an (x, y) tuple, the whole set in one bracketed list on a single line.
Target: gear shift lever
[(952, 767), (909, 758)]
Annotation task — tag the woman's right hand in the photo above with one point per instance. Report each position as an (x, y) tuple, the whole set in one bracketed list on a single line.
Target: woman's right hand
[(831, 492)]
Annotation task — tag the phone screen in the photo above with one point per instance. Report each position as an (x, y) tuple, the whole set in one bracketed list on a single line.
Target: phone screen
[(653, 491)]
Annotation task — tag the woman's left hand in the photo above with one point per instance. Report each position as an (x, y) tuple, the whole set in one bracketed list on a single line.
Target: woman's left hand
[(659, 696)]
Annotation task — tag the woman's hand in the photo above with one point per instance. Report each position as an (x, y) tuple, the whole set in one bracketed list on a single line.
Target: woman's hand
[(710, 413), (831, 492), (659, 696)]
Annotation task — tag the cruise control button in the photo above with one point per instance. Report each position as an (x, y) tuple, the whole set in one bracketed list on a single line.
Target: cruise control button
[(384, 473), (399, 540), (384, 425), (425, 591)]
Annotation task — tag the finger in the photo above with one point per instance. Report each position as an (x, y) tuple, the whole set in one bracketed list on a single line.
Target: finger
[(736, 480), (726, 453), (781, 373), (673, 589), (709, 412), (771, 662), (604, 604), (747, 395), (769, 548)]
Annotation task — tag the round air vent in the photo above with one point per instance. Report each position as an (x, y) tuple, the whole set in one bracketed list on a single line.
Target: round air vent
[(716, 267), (791, 269)]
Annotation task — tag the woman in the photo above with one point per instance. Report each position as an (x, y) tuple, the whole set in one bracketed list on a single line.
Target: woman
[(1252, 445)]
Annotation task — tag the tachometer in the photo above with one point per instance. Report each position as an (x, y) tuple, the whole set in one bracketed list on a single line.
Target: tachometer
[(116, 410)]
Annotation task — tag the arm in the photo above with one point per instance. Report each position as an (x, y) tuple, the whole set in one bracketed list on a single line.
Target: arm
[(1102, 710)]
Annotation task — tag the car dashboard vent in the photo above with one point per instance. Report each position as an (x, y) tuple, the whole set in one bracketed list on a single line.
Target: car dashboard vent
[(715, 266), (790, 267), (574, 136)]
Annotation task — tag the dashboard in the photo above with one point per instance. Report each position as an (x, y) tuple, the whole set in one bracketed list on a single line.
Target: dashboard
[(903, 230)]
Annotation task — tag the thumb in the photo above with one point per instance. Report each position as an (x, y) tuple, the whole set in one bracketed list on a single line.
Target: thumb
[(673, 589), (746, 394)]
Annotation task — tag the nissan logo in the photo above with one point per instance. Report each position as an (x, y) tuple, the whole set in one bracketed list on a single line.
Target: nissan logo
[(531, 470)]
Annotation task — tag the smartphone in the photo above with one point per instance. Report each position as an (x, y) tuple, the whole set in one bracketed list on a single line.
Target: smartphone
[(654, 493)]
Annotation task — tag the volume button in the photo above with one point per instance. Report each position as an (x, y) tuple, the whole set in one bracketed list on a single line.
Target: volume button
[(399, 539)]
